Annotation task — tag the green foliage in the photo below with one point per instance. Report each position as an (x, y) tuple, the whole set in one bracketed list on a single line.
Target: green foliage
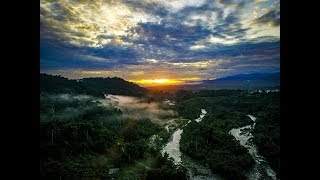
[(209, 141), (74, 107), (165, 169), (77, 144), (139, 129), (80, 138), (86, 166), (267, 135), (59, 84), (70, 148), (115, 86), (136, 135)]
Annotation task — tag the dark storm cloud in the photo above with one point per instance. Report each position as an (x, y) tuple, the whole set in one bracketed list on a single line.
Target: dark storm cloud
[(230, 27), (155, 8), (66, 56), (272, 17), (173, 36)]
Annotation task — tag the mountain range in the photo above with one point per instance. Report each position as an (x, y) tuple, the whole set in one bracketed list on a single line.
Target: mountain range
[(98, 86), (239, 81), (244, 81)]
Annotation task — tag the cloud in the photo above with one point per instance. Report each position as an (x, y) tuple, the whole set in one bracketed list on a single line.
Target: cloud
[(271, 17), (55, 56), (163, 39), (172, 37), (259, 1), (82, 22)]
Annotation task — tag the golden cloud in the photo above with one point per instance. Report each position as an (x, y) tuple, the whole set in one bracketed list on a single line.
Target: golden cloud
[(91, 23)]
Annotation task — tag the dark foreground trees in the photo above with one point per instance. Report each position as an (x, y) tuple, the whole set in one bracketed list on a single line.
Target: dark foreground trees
[(208, 143), (165, 169)]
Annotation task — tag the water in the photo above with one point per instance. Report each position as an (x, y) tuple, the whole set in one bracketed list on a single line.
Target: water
[(261, 169), (203, 113), (170, 103), (167, 128), (195, 170), (173, 147)]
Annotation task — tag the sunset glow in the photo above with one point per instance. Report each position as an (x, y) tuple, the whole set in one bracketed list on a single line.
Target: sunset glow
[(157, 42), (148, 82)]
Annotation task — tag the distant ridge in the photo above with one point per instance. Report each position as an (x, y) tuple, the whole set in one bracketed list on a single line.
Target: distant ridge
[(251, 81), (96, 86), (244, 81)]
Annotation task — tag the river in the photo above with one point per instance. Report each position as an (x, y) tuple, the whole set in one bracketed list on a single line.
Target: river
[(261, 168), (195, 170), (172, 148)]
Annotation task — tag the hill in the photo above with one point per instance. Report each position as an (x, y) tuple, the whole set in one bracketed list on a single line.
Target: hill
[(251, 81), (97, 86), (244, 81)]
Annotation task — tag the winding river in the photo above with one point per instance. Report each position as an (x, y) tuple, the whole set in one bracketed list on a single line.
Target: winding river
[(195, 170), (172, 148), (261, 168)]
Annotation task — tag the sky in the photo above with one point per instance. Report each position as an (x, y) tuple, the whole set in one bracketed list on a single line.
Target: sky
[(159, 41)]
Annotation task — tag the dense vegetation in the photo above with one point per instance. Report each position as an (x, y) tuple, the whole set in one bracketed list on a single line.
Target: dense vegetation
[(90, 86), (267, 133), (74, 137), (165, 169), (92, 142), (210, 141), (83, 137)]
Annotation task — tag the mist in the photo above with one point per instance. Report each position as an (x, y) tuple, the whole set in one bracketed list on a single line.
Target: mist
[(77, 106), (139, 108), (71, 107)]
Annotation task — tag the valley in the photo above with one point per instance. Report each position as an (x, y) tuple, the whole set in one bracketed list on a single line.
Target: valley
[(160, 135)]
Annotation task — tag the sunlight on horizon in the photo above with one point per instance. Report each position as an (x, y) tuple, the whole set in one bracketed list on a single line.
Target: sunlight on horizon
[(165, 81), (149, 82)]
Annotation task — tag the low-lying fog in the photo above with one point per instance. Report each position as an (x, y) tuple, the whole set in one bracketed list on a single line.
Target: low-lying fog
[(135, 108), (69, 106)]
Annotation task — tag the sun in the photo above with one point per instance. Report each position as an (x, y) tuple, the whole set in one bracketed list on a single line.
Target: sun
[(148, 82), (159, 81)]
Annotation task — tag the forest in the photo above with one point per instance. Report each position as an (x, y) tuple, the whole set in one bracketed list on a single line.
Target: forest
[(84, 135), (95, 86), (210, 141), (81, 138)]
